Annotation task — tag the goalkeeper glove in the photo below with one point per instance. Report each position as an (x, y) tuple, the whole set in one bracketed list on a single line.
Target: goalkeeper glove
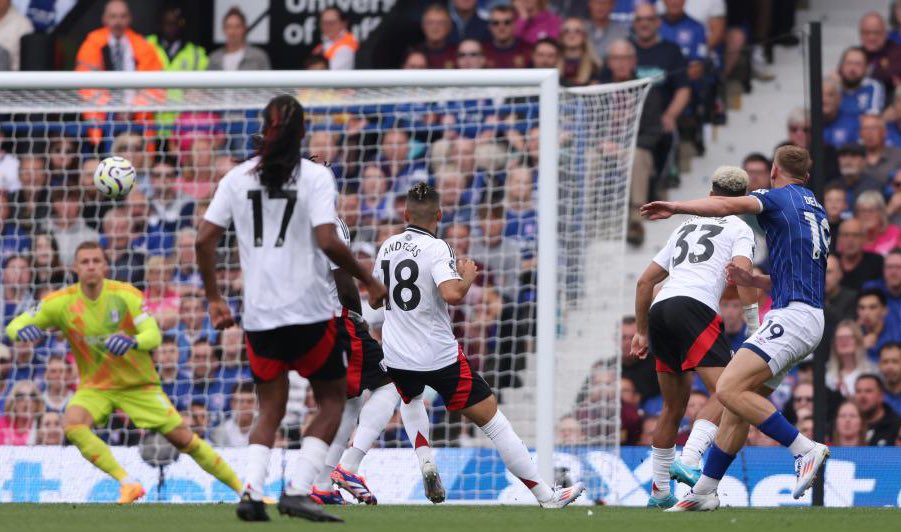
[(30, 333), (119, 344), (752, 318)]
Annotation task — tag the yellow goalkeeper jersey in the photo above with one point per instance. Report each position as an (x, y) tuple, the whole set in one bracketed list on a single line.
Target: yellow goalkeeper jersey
[(87, 324)]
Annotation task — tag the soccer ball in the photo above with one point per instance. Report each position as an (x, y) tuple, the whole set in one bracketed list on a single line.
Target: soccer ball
[(114, 177)]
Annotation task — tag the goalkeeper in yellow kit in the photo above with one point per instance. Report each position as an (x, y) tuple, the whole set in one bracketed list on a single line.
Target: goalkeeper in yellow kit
[(111, 336)]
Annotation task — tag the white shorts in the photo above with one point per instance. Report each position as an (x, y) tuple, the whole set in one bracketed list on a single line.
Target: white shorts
[(785, 337)]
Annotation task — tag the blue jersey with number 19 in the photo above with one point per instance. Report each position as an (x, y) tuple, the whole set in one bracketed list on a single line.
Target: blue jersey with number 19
[(797, 236)]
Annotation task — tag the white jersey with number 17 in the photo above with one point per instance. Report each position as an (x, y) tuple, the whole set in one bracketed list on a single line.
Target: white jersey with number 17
[(696, 256), (286, 275), (417, 334)]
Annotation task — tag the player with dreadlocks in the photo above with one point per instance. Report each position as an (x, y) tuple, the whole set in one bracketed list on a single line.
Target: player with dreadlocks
[(283, 210)]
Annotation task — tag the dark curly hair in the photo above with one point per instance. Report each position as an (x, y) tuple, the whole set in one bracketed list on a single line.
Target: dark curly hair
[(279, 146)]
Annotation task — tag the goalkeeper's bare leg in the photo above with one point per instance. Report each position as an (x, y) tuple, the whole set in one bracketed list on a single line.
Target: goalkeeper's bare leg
[(516, 456), (77, 423)]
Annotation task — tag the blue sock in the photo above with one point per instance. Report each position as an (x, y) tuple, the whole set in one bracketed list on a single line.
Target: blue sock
[(778, 428), (718, 461)]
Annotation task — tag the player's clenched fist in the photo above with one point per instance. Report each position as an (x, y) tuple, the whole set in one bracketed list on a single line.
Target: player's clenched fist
[(468, 269), (377, 293), (221, 314)]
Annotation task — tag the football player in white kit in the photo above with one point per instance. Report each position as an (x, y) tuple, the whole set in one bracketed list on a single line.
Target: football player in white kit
[(364, 372), (283, 210), (422, 276), (684, 331)]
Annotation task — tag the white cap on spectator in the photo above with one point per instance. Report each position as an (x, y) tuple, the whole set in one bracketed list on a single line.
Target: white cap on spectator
[(730, 179)]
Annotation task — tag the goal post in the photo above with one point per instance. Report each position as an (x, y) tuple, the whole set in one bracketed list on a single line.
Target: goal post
[(562, 315)]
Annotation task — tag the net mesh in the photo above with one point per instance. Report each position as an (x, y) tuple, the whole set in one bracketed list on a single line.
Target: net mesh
[(478, 146)]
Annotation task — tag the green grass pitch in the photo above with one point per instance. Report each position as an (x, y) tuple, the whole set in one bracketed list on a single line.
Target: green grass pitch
[(450, 518)]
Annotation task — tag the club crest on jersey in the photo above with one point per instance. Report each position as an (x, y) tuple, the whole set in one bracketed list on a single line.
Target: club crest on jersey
[(114, 315), (408, 237)]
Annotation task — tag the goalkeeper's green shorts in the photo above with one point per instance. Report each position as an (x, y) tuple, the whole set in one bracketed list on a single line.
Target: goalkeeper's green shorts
[(148, 408)]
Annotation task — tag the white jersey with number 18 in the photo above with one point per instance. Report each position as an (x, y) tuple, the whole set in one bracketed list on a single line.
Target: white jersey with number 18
[(417, 334), (286, 275), (696, 256)]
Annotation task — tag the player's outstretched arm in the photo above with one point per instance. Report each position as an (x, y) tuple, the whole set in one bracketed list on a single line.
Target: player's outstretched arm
[(454, 290), (30, 325), (328, 241), (644, 295), (710, 206), (208, 237)]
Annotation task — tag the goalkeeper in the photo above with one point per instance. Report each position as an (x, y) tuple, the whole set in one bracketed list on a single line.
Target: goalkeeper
[(111, 336)]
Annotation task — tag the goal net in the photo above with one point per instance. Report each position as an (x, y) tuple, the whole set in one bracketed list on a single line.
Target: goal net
[(477, 140)]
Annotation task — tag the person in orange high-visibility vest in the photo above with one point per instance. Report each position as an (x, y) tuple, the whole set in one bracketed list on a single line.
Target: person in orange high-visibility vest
[(338, 45)]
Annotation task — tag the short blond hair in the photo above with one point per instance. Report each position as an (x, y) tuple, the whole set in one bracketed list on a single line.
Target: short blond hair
[(730, 181)]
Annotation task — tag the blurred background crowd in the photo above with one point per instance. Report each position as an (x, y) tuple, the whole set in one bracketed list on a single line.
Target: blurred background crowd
[(482, 157)]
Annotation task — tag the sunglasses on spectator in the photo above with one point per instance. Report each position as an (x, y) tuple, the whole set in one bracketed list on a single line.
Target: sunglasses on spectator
[(501, 21), (469, 54)]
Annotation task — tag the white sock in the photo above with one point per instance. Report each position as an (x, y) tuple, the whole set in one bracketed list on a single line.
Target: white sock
[(339, 442), (801, 445), (416, 423), (702, 434), (257, 466), (306, 467), (376, 413), (661, 459), (516, 456), (705, 485)]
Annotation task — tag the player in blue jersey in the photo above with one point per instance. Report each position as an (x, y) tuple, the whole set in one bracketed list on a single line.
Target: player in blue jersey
[(797, 235)]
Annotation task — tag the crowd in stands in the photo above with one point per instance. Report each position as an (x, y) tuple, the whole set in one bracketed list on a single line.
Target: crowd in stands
[(487, 181)]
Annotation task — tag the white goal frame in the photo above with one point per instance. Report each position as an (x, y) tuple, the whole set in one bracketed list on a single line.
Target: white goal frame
[(545, 80)]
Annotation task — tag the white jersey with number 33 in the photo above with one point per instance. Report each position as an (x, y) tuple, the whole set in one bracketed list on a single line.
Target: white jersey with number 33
[(286, 276), (696, 256), (417, 334)]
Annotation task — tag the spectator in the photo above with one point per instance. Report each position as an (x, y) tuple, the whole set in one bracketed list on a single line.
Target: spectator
[(640, 371), (193, 325), (160, 299), (890, 369), (338, 45), (62, 161), (602, 29), (394, 159), (883, 55), (235, 430), (237, 54), (197, 169), (657, 57), (758, 167), (648, 428), (9, 169), (186, 279), (13, 25), (176, 53), (451, 184), (50, 429), (56, 388), (16, 295), (569, 431), (848, 358), (165, 358), (798, 129), (438, 47), (232, 356), (498, 254), (375, 200), (687, 33), (415, 60), (126, 261), (838, 129), (131, 146), (878, 328), (895, 17), (504, 49), (171, 210), (882, 422), (580, 62), (535, 21), (470, 54), (590, 410), (734, 326), (116, 46), (858, 266), (468, 23), (890, 283), (324, 146), (22, 411), (848, 428), (851, 164), (841, 301), (805, 424), (835, 203), (879, 235), (199, 419), (33, 198), (315, 62), (208, 381), (860, 95), (801, 401), (522, 218), (13, 240), (881, 162), (547, 54)]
